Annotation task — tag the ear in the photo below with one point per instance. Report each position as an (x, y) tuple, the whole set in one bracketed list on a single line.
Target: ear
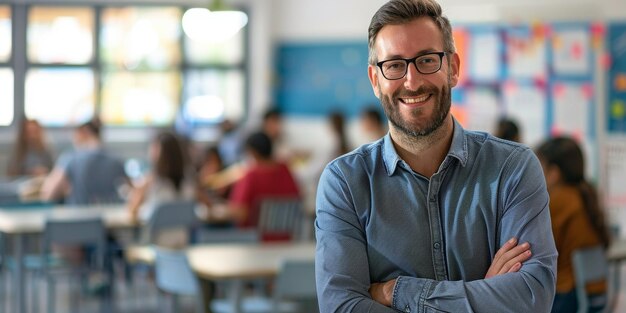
[(455, 65), (372, 73)]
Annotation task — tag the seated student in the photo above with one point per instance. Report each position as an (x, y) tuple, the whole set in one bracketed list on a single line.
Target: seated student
[(168, 180), (372, 126), (577, 219), (507, 129), (30, 155), (264, 178), (87, 175)]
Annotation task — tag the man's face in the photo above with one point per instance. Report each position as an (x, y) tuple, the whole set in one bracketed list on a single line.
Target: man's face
[(419, 103)]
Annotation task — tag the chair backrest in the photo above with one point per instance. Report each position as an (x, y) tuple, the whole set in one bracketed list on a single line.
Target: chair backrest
[(76, 232), (168, 215), (280, 218), (173, 272), (296, 280), (590, 265), (227, 235)]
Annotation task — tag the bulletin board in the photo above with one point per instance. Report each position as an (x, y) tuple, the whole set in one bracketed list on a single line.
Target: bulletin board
[(540, 75), (313, 79), (616, 83)]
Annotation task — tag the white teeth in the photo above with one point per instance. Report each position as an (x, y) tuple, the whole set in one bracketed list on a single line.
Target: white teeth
[(415, 100)]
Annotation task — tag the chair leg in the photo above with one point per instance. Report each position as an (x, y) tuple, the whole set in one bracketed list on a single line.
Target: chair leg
[(50, 294)]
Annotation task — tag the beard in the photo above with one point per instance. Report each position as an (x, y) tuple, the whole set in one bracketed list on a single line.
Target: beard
[(443, 101)]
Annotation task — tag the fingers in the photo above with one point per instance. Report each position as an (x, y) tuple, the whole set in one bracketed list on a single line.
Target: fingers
[(511, 243), (519, 254), (509, 258)]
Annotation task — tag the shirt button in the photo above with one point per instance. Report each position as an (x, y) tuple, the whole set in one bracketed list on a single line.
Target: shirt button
[(436, 245), (407, 309)]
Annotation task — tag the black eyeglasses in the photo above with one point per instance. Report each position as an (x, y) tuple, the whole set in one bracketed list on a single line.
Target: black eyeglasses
[(426, 64)]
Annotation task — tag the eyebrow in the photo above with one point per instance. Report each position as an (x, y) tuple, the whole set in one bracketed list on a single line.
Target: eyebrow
[(421, 52)]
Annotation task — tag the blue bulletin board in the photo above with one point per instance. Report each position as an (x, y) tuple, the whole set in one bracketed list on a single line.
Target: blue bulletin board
[(616, 108), (314, 79)]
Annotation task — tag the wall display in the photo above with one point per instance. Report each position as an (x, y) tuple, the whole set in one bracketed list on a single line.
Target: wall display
[(572, 109), (527, 103), (616, 83), (315, 79), (526, 51), (571, 50)]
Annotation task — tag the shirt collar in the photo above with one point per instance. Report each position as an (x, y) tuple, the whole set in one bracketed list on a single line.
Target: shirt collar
[(458, 149)]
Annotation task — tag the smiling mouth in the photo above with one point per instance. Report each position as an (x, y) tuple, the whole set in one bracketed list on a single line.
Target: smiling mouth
[(416, 100)]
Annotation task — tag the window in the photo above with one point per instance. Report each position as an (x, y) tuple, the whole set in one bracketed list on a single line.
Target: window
[(130, 65), (6, 96), (141, 58), (60, 84), (5, 33), (6, 74), (60, 35), (60, 96)]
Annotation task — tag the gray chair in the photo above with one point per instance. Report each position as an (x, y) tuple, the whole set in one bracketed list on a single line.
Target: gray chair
[(175, 277), (280, 219), (590, 265), (296, 283), (73, 233), (170, 215), (227, 235)]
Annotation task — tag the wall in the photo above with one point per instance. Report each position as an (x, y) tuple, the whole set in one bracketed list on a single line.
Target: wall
[(347, 20)]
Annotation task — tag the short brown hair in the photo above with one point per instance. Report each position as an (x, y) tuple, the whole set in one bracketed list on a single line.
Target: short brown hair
[(404, 11)]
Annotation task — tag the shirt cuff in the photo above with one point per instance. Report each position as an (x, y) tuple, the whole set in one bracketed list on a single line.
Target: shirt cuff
[(409, 293)]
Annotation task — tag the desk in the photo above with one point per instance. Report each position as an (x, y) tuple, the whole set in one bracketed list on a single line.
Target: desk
[(18, 222), (234, 262)]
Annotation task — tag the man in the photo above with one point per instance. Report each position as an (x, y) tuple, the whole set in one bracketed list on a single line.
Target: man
[(88, 175), (426, 219)]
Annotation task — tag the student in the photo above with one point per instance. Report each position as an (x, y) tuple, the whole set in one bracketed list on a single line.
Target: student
[(428, 218), (372, 124), (577, 220), (31, 155), (88, 175), (507, 129), (265, 177), (167, 181)]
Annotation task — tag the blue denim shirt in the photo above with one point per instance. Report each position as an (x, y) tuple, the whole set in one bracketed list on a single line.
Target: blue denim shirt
[(378, 220)]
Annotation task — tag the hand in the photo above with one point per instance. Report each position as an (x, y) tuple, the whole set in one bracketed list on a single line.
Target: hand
[(509, 258), (383, 292)]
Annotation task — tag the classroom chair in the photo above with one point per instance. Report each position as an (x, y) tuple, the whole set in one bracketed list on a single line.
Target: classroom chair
[(84, 233), (590, 265)]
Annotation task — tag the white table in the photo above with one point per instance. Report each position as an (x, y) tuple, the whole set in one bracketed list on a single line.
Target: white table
[(234, 262), (19, 222)]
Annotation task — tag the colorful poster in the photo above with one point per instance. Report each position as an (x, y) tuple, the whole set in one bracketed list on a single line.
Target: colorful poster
[(482, 105), (485, 61), (526, 103), (573, 110), (526, 55), (571, 50), (616, 108)]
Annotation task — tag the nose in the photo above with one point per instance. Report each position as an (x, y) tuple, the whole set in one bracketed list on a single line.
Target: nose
[(413, 79)]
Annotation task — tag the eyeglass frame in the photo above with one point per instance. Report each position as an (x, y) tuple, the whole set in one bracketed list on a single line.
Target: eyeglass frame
[(410, 61)]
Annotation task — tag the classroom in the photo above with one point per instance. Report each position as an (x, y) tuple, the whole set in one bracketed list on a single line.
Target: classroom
[(312, 156)]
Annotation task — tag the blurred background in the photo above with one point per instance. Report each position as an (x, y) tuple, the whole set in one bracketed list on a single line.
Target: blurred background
[(554, 67)]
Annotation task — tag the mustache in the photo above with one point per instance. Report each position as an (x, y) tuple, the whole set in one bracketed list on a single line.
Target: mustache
[(414, 93)]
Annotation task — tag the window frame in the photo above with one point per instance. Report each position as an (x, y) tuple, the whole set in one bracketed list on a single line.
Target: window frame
[(20, 64)]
